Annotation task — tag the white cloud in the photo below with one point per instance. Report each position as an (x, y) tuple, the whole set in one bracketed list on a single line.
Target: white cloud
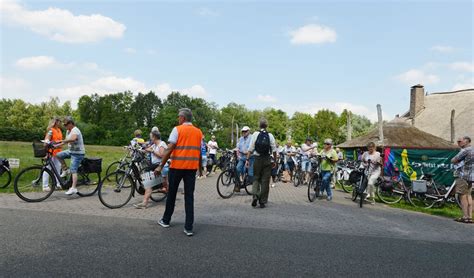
[(130, 50), (61, 25), (313, 34), (415, 76), (39, 62), (114, 84), (266, 98), (465, 84), (462, 66), (442, 48), (206, 12)]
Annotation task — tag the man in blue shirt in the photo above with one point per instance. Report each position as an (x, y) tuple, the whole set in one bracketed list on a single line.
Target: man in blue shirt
[(242, 149)]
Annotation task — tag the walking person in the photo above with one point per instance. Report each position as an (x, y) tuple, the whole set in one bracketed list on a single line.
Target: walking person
[(308, 149), (76, 151), (375, 169), (263, 148), (465, 178), (212, 154), (203, 159), (54, 134), (184, 149), (328, 161)]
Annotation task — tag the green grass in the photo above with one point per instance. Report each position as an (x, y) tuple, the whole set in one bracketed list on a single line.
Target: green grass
[(24, 151)]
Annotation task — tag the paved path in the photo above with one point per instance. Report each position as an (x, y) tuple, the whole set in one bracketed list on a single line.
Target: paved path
[(291, 237)]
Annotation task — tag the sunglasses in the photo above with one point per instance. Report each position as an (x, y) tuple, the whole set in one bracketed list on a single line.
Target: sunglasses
[(327, 144)]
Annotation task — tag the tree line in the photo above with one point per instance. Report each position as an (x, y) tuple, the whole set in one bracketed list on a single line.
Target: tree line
[(111, 119)]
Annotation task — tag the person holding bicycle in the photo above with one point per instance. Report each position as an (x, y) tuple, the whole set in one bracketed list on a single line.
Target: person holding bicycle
[(328, 162), (53, 133), (375, 169), (157, 151), (465, 178), (289, 153), (242, 149), (76, 151), (308, 150)]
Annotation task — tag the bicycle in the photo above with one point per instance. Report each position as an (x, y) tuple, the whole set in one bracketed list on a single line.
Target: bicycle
[(28, 184), (361, 186), (343, 171), (427, 194), (298, 173), (118, 164), (315, 181), (117, 188), (391, 189), (5, 173), (229, 179)]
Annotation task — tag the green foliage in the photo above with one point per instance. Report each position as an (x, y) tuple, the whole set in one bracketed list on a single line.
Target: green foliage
[(111, 119)]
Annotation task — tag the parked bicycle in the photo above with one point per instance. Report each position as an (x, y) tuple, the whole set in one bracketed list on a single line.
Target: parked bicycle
[(5, 173), (119, 164), (315, 181), (28, 184), (343, 172), (427, 193), (392, 189), (229, 179), (117, 188), (298, 173)]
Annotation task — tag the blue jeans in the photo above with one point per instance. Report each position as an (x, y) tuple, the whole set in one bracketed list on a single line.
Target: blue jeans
[(326, 183), (241, 166), (189, 177), (76, 159)]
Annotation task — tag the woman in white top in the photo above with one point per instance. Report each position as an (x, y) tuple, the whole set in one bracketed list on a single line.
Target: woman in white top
[(375, 168), (156, 150)]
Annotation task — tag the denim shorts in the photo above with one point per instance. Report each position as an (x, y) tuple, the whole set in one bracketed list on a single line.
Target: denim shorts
[(306, 165), (76, 159), (204, 161)]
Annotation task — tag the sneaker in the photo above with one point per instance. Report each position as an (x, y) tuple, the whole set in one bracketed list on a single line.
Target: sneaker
[(163, 224), (140, 206), (254, 203), (262, 205), (188, 232), (329, 198), (71, 191), (46, 189), (273, 185), (65, 173)]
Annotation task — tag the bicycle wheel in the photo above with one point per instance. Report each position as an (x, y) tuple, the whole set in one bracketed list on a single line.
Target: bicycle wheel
[(5, 177), (345, 185), (114, 166), (28, 184), (248, 185), (87, 183), (313, 191), (118, 191), (390, 195), (421, 200), (157, 195), (224, 189)]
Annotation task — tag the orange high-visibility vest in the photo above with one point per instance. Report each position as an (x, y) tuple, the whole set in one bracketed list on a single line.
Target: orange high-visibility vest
[(56, 137), (187, 152)]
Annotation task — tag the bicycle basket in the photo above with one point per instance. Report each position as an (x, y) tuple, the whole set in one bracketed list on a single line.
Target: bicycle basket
[(92, 165), (419, 186), (39, 149), (149, 179)]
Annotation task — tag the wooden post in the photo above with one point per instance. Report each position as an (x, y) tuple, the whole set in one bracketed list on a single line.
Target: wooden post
[(349, 126), (453, 130), (379, 114), (232, 132)]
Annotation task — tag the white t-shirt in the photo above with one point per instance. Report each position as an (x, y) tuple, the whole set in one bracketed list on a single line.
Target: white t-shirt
[(76, 147), (154, 158), (375, 160), (287, 150), (212, 145)]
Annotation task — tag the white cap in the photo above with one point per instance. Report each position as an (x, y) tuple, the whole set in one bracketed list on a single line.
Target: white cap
[(245, 128)]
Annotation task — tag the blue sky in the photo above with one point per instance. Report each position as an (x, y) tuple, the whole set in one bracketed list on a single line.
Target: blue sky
[(295, 56)]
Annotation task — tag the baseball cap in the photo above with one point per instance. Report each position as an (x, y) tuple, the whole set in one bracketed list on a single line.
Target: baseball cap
[(328, 141), (245, 128)]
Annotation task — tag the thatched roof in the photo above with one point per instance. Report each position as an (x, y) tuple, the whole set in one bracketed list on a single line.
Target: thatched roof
[(435, 117), (399, 134)]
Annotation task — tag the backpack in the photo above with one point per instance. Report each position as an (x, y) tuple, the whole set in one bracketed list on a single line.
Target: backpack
[(262, 144)]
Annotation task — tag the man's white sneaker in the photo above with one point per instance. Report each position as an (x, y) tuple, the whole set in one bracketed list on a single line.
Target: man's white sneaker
[(188, 232), (163, 224), (46, 189), (71, 191)]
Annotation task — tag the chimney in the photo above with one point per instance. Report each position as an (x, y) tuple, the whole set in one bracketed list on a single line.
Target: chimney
[(417, 100)]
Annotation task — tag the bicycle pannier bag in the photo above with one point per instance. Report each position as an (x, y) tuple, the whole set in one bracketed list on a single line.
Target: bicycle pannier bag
[(419, 186), (92, 165), (354, 176)]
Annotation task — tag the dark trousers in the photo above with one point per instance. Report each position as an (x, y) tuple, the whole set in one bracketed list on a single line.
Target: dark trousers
[(262, 171), (189, 177)]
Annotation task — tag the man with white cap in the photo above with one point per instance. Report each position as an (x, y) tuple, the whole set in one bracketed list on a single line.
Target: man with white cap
[(242, 149), (212, 155)]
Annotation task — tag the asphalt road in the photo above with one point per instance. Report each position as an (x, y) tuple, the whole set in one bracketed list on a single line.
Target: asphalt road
[(51, 244)]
